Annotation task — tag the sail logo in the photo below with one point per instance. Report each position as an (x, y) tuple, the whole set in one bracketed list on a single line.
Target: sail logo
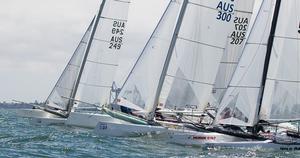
[(225, 11)]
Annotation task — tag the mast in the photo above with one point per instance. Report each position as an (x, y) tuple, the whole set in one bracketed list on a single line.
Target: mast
[(168, 58), (135, 64), (97, 19), (269, 50)]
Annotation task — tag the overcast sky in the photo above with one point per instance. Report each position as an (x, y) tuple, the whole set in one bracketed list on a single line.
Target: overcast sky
[(39, 36)]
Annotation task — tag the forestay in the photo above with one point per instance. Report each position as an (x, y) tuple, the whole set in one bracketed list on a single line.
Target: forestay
[(64, 87), (102, 59), (281, 99), (240, 103), (142, 82), (199, 47), (235, 42)]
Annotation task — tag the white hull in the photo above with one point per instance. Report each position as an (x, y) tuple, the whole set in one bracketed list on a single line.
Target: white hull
[(268, 144), (83, 120), (127, 129), (89, 120), (195, 138), (41, 117), (29, 113)]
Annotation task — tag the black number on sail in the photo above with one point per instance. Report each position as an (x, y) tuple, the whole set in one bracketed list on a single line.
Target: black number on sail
[(225, 11)]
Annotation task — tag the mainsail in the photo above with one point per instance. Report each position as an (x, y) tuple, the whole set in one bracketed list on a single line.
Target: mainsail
[(281, 99), (235, 42), (64, 87), (142, 82), (101, 62), (241, 101), (191, 48), (199, 47)]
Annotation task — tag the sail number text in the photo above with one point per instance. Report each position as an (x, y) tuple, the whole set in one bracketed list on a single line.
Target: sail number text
[(240, 29), (117, 31), (225, 11)]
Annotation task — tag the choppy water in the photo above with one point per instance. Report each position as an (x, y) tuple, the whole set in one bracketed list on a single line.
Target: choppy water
[(19, 138)]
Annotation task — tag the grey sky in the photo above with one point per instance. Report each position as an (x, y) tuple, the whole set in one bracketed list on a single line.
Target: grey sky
[(39, 36)]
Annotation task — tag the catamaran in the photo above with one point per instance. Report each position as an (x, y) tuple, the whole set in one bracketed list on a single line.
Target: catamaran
[(263, 90), (179, 63), (87, 81)]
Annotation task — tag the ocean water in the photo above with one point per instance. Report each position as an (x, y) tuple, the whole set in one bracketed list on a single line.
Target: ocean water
[(19, 138)]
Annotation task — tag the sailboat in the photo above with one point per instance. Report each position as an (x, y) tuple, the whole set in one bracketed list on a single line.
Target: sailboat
[(274, 100), (87, 81), (181, 40), (263, 90)]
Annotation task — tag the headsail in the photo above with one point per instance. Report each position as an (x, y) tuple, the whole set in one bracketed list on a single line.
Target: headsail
[(102, 59), (236, 40), (64, 87), (281, 99), (199, 48), (241, 101)]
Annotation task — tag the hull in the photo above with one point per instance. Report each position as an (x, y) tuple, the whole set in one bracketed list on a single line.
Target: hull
[(41, 117), (267, 144), (89, 120), (78, 119), (38, 113), (195, 138), (127, 129)]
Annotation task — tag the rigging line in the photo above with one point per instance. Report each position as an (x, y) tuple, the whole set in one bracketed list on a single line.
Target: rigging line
[(281, 80), (198, 42), (211, 8), (100, 63), (101, 40), (114, 19), (94, 85), (122, 1), (193, 81)]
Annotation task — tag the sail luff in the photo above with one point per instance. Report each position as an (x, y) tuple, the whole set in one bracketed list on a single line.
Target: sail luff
[(269, 51), (142, 52), (150, 115), (86, 55)]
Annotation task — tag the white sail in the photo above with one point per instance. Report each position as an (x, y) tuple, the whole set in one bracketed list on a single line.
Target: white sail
[(240, 103), (281, 99), (64, 87), (142, 83), (102, 60), (236, 40), (199, 48)]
